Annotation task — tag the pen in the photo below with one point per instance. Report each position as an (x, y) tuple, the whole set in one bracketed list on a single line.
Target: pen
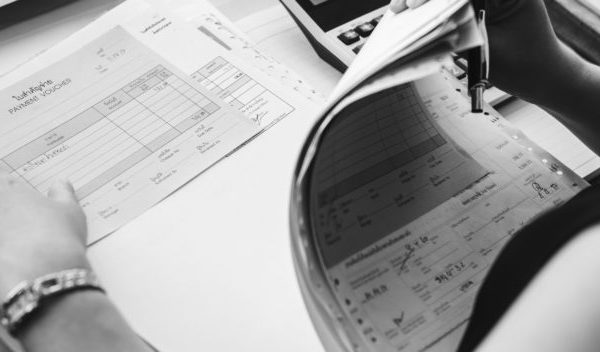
[(478, 59)]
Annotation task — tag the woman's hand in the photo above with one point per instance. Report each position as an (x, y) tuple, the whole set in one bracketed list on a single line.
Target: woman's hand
[(527, 60), (524, 51), (526, 57), (401, 5), (41, 235), (38, 235)]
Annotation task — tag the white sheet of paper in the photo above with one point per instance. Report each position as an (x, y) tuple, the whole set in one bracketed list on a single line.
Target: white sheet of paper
[(260, 97), (412, 288), (210, 21), (26, 40), (551, 135), (275, 32), (124, 125)]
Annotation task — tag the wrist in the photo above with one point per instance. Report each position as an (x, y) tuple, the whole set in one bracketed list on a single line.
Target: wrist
[(12, 272), (60, 312), (79, 321)]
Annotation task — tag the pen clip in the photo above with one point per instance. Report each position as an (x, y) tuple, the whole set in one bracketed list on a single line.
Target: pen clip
[(480, 73), (486, 44)]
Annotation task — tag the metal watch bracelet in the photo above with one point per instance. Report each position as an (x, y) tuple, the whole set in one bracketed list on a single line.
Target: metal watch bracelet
[(28, 296)]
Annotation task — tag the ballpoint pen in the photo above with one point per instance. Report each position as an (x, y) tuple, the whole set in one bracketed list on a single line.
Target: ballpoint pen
[(478, 59)]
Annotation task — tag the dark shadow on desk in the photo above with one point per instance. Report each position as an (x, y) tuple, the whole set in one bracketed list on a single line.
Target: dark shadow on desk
[(24, 9)]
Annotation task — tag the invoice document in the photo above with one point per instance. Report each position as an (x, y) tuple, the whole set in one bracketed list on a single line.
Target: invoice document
[(439, 191), (193, 52), (210, 21), (121, 123), (220, 74)]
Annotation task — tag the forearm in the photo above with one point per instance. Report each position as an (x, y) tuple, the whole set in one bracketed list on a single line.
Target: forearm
[(528, 60), (43, 238), (569, 87), (576, 102), (79, 321)]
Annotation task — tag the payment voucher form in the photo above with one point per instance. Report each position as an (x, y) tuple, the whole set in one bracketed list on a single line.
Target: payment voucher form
[(122, 124)]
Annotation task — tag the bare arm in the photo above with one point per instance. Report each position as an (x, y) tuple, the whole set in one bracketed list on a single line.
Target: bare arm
[(41, 235), (528, 61), (83, 321)]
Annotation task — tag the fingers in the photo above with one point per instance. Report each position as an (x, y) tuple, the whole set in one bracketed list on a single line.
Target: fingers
[(415, 3), (8, 181), (398, 6), (62, 191)]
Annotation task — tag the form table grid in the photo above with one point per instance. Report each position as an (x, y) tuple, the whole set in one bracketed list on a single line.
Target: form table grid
[(113, 135)]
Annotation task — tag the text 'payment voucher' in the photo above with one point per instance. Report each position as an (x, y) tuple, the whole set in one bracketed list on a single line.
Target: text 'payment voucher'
[(120, 123)]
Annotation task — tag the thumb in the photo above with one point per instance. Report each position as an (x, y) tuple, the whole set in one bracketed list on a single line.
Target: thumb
[(415, 3), (62, 191), (398, 6)]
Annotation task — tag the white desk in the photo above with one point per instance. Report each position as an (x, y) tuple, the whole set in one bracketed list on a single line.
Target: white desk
[(210, 268)]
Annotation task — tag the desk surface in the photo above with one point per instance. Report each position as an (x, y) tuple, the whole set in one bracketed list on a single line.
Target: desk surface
[(210, 267)]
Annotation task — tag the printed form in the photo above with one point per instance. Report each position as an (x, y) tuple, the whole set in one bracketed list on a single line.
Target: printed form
[(197, 53), (210, 21), (110, 145), (448, 191), (207, 61), (121, 123)]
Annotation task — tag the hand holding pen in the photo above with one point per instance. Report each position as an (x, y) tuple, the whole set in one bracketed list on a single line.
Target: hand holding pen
[(478, 58), (525, 56)]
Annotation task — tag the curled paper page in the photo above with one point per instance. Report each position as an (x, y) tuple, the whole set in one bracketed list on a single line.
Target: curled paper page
[(405, 199)]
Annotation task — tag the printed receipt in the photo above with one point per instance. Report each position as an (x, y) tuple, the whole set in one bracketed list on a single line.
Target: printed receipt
[(413, 288), (121, 123)]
